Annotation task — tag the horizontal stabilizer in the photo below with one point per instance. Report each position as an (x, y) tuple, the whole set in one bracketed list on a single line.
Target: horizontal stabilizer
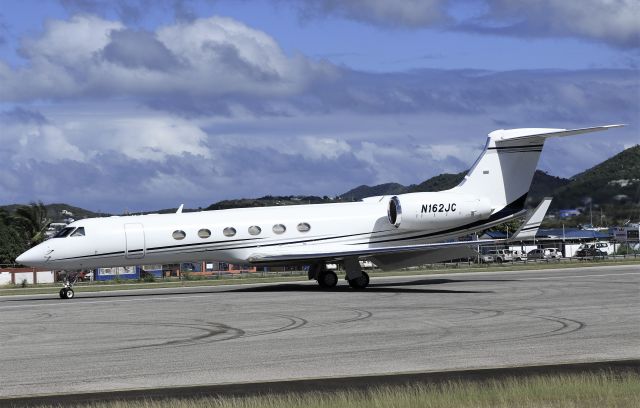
[(529, 228), (542, 133)]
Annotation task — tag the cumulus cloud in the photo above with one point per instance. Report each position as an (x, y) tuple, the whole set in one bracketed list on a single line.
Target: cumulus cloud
[(186, 63)]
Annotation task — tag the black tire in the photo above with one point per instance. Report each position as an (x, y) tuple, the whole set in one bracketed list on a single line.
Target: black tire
[(327, 279), (63, 293), (361, 282), (499, 260)]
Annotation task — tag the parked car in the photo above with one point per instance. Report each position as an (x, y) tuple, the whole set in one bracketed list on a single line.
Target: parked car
[(486, 258), (590, 252), (538, 254), (604, 247), (501, 255), (518, 255)]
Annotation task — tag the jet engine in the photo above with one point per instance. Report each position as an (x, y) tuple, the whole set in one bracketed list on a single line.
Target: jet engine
[(425, 211)]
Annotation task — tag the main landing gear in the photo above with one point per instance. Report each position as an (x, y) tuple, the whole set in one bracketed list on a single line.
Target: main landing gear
[(357, 278), (67, 291)]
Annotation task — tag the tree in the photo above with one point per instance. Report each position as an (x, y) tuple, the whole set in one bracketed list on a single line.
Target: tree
[(11, 244), (31, 222)]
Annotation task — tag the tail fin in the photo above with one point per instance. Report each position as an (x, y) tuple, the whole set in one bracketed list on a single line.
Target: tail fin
[(504, 170), (530, 227)]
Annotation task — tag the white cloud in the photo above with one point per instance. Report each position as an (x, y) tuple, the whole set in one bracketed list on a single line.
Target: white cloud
[(318, 148), (91, 57), (146, 138)]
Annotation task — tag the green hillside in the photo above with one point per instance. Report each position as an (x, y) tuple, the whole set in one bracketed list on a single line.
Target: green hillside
[(440, 182), (363, 191), (544, 185), (54, 211), (608, 193)]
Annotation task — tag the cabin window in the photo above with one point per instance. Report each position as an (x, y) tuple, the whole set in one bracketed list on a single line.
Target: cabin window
[(304, 227), (179, 234), (79, 232), (64, 232), (279, 229), (254, 230), (204, 233), (229, 232)]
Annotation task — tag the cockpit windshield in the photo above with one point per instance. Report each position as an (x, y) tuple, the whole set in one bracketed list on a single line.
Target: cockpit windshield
[(64, 232), (79, 232)]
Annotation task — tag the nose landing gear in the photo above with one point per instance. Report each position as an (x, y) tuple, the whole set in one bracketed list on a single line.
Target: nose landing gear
[(67, 291)]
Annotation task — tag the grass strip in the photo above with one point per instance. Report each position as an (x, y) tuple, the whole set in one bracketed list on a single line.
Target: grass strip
[(257, 278), (585, 390)]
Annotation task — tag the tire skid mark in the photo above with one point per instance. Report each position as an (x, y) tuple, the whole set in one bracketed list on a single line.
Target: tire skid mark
[(213, 332), (295, 322), (360, 315), (566, 326)]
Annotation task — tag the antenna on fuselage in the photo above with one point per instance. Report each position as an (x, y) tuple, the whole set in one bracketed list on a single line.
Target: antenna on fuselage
[(179, 210)]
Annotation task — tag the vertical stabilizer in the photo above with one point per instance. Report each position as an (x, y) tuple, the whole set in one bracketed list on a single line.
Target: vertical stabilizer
[(505, 169)]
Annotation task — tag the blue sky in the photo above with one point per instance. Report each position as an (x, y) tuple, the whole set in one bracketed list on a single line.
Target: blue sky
[(147, 104)]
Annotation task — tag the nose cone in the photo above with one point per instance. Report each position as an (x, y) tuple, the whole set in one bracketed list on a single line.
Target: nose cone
[(32, 257)]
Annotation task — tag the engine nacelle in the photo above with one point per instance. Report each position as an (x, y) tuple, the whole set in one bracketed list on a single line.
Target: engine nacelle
[(426, 211)]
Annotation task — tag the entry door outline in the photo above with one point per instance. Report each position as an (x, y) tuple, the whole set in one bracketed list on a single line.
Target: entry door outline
[(135, 241)]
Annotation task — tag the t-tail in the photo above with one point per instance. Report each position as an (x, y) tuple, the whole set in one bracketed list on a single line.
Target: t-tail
[(504, 171)]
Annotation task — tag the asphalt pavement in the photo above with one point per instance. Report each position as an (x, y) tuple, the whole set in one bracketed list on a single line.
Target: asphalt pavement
[(268, 332)]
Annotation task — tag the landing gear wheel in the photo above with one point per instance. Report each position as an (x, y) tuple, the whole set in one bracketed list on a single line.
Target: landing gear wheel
[(360, 282), (66, 293), (327, 279)]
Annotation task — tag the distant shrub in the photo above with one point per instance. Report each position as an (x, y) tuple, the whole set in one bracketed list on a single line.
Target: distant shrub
[(23, 284)]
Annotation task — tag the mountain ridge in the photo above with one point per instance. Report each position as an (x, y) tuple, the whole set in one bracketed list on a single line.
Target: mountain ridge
[(610, 185)]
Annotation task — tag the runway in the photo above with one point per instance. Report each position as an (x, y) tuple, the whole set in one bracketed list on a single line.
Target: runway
[(267, 332)]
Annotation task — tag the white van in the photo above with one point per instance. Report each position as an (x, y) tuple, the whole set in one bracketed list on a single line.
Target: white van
[(554, 253)]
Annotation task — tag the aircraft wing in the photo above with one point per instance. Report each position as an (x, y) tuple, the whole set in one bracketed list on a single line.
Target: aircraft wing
[(361, 252)]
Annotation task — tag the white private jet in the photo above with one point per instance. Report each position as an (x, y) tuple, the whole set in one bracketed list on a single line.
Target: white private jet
[(399, 231)]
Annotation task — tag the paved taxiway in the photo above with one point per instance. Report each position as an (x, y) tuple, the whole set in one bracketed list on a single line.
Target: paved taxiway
[(134, 339)]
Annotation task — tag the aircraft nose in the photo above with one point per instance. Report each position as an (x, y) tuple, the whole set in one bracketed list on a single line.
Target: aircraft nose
[(32, 257)]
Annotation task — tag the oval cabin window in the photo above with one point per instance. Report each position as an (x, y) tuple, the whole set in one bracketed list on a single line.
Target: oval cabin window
[(304, 227), (179, 234), (229, 232), (279, 229), (204, 233), (254, 230)]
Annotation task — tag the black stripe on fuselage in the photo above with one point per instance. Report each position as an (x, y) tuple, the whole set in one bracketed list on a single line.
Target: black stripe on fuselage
[(516, 147)]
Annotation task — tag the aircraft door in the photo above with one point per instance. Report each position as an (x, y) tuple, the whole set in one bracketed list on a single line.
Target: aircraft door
[(135, 243)]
